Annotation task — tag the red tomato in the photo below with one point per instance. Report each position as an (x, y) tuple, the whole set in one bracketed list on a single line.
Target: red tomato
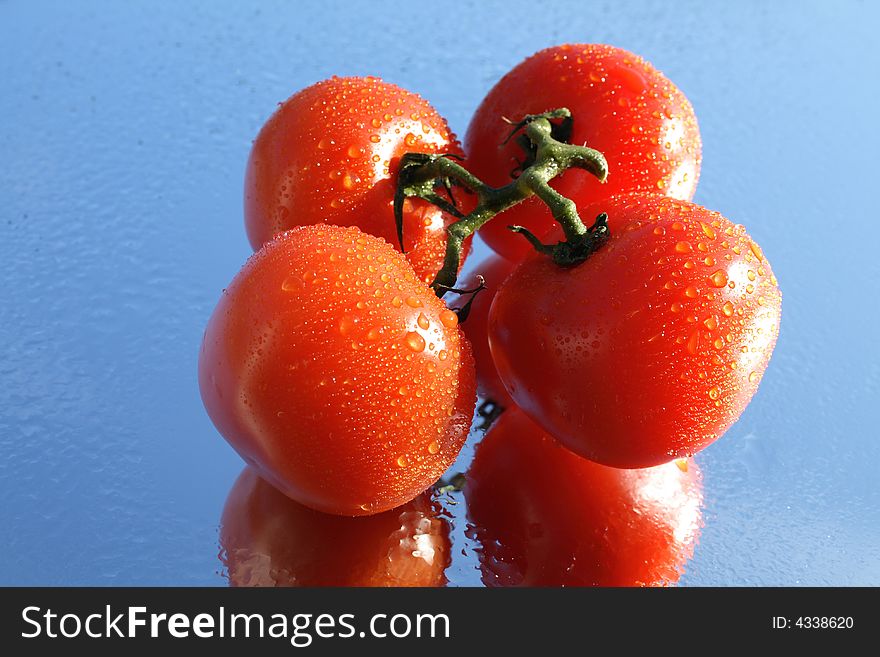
[(336, 373), (494, 271), (546, 517), (267, 539), (329, 155), (621, 106), (652, 347)]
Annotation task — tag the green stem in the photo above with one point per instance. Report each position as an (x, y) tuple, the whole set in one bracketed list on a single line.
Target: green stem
[(420, 174)]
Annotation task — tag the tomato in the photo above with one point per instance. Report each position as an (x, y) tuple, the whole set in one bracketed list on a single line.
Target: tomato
[(494, 271), (336, 373), (267, 539), (543, 516), (651, 348), (621, 106), (329, 155)]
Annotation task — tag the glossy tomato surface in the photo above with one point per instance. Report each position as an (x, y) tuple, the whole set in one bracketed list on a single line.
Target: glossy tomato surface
[(621, 105), (494, 271), (328, 155), (544, 516), (267, 539), (336, 373), (651, 348)]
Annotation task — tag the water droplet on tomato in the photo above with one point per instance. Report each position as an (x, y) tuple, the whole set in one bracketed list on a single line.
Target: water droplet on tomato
[(346, 325), (423, 322), (756, 250), (292, 283), (683, 247), (719, 278), (433, 447), (713, 393), (448, 318), (415, 342)]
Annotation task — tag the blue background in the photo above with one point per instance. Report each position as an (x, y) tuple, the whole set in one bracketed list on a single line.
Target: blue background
[(124, 131)]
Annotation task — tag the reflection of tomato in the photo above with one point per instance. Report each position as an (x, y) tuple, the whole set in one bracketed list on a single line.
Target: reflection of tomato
[(494, 271), (328, 155), (269, 540), (651, 348), (621, 106), (547, 517), (332, 369)]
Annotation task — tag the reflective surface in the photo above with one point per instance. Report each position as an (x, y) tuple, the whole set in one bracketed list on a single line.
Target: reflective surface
[(125, 131)]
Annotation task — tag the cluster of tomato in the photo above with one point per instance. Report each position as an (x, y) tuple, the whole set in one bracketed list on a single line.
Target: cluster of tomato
[(336, 370)]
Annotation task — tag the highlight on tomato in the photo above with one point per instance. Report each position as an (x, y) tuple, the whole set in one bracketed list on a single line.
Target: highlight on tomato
[(543, 516), (620, 105), (329, 155), (652, 347), (336, 373), (267, 539)]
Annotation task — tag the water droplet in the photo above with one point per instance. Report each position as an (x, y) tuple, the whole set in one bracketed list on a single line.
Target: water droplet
[(677, 225), (718, 343), (423, 322), (397, 302), (346, 325), (449, 319), (690, 292), (711, 323), (324, 143), (402, 461), (433, 447), (676, 307), (292, 283), (713, 393), (682, 464), (354, 151), (756, 250), (708, 231), (375, 139), (683, 247), (719, 278), (415, 342), (659, 230), (413, 302), (753, 377)]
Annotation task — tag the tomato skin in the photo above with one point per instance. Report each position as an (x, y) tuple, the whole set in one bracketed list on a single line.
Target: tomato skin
[(267, 539), (651, 348), (494, 270), (621, 106), (336, 373), (329, 155), (546, 517)]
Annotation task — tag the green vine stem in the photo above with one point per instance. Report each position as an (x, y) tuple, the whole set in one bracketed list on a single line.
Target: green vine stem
[(421, 174)]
